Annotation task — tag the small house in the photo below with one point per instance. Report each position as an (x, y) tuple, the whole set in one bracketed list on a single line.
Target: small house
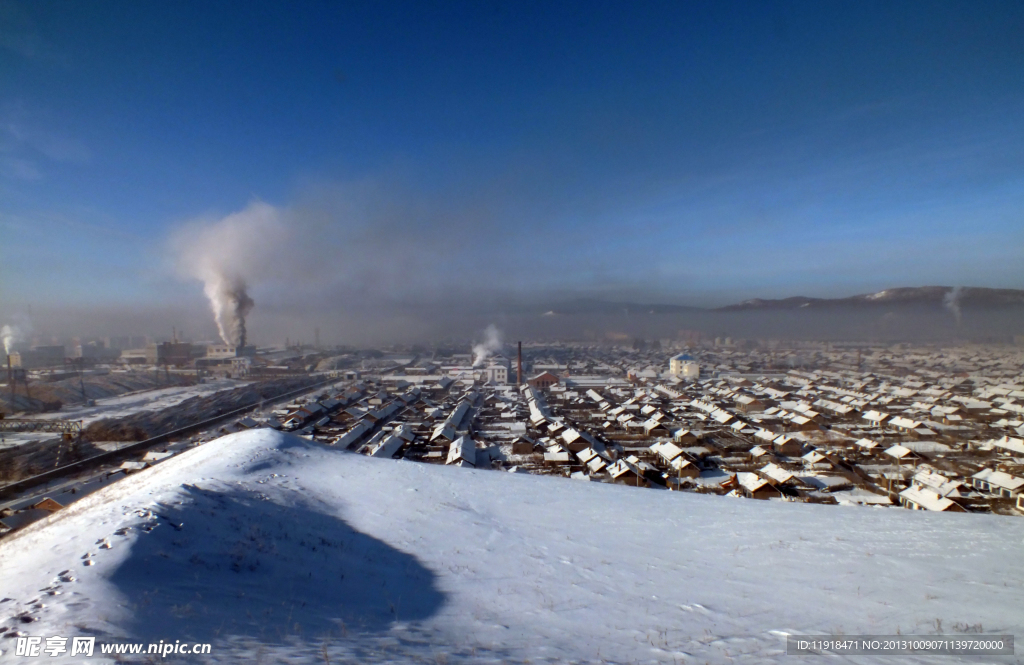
[(462, 452), (788, 446), (753, 486), (997, 483), (522, 445), (917, 497)]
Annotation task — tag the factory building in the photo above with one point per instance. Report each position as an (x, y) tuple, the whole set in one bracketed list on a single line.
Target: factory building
[(240, 367), (169, 353), (39, 356), (220, 351), (95, 350), (543, 381), (224, 351)]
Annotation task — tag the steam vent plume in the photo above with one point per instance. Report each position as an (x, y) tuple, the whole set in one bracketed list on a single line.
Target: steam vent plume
[(487, 348)]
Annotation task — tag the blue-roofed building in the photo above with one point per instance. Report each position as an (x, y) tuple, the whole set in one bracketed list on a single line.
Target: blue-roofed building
[(684, 366)]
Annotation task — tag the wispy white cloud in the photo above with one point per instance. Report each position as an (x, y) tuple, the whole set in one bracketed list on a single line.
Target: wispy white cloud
[(27, 146), (21, 169), (46, 143)]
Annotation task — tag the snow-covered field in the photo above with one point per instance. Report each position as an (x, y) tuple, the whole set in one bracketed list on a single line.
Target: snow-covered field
[(277, 549), (121, 406), (148, 400)]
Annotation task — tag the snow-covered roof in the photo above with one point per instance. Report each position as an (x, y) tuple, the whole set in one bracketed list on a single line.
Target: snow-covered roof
[(942, 485), (1010, 443), (750, 481), (874, 416), (776, 473), (898, 451), (813, 457), (668, 451), (1000, 479), (926, 498), (904, 423), (462, 449)]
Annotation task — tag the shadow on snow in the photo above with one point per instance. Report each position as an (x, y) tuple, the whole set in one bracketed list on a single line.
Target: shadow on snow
[(221, 565)]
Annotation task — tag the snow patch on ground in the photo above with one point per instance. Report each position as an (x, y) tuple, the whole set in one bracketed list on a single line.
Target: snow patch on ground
[(278, 549)]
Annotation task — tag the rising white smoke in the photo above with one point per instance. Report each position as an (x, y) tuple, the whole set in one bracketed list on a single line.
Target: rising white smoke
[(227, 255), (231, 303), (490, 346), (17, 331), (951, 301)]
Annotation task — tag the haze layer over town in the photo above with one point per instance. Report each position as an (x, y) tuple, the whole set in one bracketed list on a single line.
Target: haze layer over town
[(511, 332)]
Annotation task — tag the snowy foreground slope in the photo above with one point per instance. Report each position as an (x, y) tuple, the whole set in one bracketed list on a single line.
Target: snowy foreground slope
[(277, 549)]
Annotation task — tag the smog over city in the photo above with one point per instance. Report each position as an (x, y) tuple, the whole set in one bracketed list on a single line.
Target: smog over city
[(319, 312)]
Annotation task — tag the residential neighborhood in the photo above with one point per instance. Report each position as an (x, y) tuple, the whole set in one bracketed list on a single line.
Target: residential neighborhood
[(912, 427)]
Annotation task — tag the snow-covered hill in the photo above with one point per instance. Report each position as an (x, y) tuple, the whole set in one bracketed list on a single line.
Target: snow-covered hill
[(276, 549)]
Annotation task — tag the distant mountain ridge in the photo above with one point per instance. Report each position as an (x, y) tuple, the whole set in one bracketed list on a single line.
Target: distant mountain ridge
[(907, 314), (942, 296), (595, 306), (948, 296)]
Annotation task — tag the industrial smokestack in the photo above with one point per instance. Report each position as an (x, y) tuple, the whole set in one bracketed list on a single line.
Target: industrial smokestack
[(10, 379), (241, 329), (519, 366)]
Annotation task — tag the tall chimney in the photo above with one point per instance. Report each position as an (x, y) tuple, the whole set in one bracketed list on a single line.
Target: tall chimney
[(10, 379), (519, 367)]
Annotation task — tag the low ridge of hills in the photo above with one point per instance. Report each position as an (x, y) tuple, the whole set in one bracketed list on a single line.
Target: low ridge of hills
[(946, 296)]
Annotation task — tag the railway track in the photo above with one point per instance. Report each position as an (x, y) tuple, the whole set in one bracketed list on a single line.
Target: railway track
[(20, 490)]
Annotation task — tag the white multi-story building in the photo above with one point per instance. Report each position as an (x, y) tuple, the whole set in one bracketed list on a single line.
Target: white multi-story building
[(684, 367), (497, 373)]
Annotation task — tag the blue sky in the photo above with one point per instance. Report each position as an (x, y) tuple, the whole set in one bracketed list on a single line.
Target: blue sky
[(684, 152)]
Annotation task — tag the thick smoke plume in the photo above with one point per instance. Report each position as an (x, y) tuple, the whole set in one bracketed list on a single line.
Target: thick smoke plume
[(15, 332), (227, 255), (952, 302), (231, 303), (490, 346)]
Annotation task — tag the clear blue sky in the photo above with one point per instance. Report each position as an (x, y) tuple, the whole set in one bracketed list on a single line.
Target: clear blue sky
[(680, 151)]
